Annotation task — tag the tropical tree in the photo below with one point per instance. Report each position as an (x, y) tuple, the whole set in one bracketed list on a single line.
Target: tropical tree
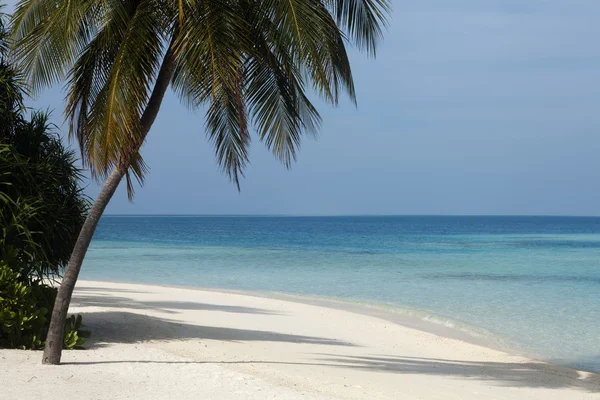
[(42, 206), (249, 64), (11, 91), (42, 209)]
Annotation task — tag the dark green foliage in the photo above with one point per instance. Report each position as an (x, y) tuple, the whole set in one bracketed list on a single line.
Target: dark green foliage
[(21, 320), (11, 99), (42, 207), (11, 89), (25, 314)]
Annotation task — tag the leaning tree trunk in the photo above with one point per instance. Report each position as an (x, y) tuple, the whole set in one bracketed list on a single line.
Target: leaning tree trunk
[(56, 331)]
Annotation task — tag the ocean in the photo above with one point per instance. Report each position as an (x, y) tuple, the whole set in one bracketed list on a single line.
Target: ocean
[(530, 284)]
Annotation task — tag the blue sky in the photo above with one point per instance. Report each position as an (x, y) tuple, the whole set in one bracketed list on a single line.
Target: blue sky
[(471, 107)]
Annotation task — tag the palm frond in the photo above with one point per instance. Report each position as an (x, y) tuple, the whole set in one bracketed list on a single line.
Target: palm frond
[(251, 65), (50, 35), (279, 107), (227, 123), (209, 70), (364, 20), (110, 85)]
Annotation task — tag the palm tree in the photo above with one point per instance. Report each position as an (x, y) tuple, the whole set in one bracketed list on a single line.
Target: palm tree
[(248, 64)]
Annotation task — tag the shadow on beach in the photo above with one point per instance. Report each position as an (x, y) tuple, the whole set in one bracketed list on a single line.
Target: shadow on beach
[(531, 374), (121, 326), (101, 289), (168, 307), (127, 327), (525, 375)]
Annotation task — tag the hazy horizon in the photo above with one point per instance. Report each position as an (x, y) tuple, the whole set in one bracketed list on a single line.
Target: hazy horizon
[(474, 107), (350, 215)]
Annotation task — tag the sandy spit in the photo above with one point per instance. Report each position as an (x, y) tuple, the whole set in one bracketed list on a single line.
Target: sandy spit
[(154, 342)]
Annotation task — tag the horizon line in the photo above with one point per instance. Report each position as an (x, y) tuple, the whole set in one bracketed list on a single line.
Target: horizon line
[(352, 215)]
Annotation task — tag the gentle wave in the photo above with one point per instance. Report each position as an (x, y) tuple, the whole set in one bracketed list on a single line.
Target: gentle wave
[(574, 244), (512, 277)]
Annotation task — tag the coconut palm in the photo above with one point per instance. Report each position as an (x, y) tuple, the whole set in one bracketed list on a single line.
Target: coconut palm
[(250, 65)]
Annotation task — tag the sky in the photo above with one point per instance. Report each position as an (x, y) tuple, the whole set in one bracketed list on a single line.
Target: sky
[(471, 107)]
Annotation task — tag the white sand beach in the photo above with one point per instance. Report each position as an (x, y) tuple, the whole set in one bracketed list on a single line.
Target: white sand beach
[(152, 342)]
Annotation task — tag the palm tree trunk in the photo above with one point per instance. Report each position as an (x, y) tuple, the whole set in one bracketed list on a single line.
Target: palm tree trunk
[(56, 331)]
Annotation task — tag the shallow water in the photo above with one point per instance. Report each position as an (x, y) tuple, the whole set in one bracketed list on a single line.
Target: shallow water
[(531, 282)]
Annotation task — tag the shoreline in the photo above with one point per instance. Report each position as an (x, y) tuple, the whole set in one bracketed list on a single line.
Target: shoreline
[(396, 314), (151, 341)]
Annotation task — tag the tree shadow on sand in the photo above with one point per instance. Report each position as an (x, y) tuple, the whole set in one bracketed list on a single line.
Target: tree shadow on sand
[(126, 327), (523, 375), (167, 307), (101, 289), (529, 374), (121, 326)]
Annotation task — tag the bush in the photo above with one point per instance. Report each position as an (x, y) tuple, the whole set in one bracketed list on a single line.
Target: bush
[(42, 209), (25, 311), (42, 205), (21, 320)]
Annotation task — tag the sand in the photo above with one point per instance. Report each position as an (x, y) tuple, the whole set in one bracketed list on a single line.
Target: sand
[(153, 342)]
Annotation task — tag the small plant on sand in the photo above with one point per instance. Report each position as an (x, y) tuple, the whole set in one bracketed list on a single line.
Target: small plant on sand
[(21, 320), (24, 314), (74, 335)]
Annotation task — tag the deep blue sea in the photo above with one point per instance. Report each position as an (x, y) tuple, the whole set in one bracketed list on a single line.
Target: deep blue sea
[(533, 283)]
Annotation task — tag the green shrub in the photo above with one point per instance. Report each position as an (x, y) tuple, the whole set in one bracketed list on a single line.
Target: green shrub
[(42, 205), (22, 322), (25, 314), (42, 208)]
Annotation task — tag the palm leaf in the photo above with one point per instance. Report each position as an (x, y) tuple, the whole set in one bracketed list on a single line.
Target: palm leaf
[(362, 19), (110, 85), (250, 65), (209, 70), (50, 35)]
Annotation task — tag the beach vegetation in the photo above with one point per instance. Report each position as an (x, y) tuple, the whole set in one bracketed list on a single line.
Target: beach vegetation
[(25, 313), (42, 209), (42, 205), (249, 66)]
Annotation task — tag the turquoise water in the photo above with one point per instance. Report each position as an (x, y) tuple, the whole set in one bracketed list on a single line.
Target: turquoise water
[(531, 282)]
